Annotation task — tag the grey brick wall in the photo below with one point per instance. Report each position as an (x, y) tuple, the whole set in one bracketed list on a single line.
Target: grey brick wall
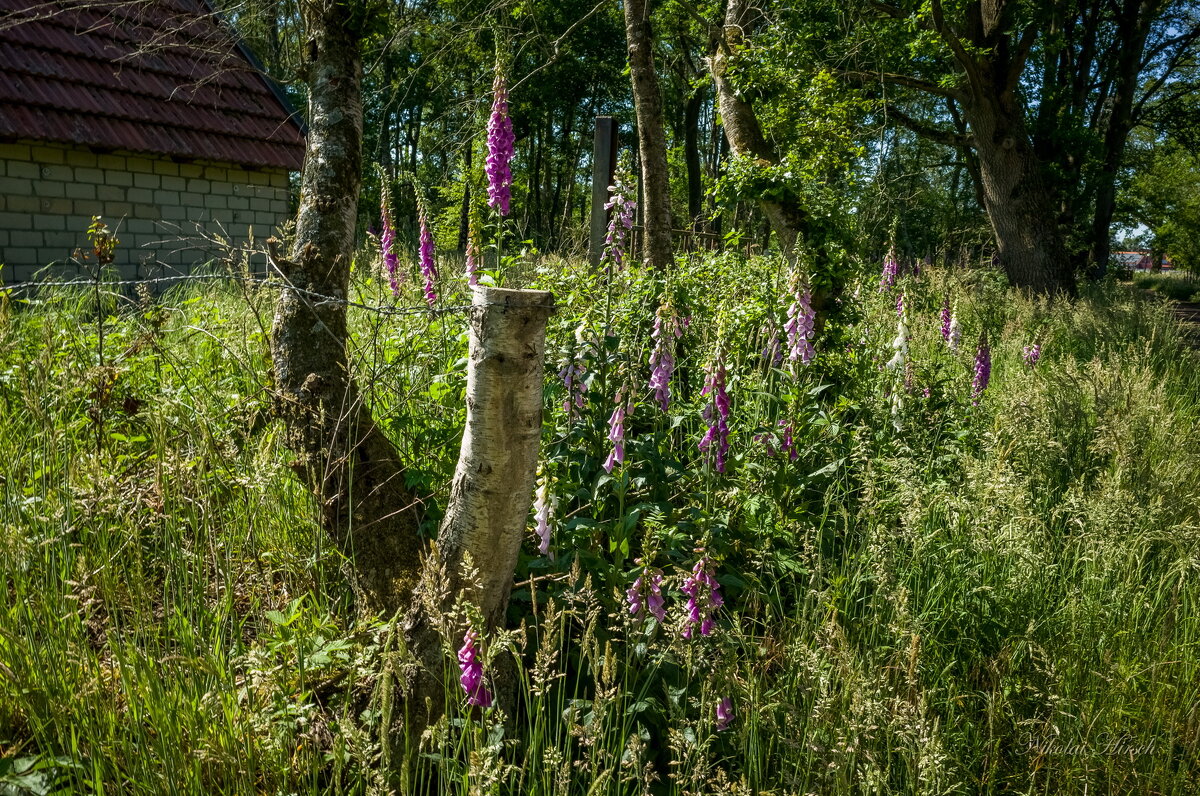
[(163, 211)]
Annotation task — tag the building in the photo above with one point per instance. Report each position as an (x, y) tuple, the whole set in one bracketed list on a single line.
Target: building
[(150, 114), (1138, 260), (1130, 260)]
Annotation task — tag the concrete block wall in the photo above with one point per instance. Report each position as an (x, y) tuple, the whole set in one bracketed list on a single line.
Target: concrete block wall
[(162, 210)]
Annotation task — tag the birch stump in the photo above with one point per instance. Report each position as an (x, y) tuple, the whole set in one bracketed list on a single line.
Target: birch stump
[(497, 463), (490, 496)]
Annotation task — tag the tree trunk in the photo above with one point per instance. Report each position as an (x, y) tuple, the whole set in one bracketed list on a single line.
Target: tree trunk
[(493, 482), (1133, 29), (572, 173), (652, 141), (1019, 205), (490, 495), (351, 468), (464, 212), (741, 125), (534, 211), (564, 176), (691, 151)]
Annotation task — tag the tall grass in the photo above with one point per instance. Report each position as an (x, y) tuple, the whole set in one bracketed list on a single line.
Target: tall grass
[(990, 599), (1172, 284)]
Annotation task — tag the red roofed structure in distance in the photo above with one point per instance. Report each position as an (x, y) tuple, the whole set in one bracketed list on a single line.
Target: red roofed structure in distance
[(148, 113)]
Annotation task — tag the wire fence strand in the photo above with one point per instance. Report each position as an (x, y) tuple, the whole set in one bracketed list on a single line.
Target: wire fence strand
[(319, 298)]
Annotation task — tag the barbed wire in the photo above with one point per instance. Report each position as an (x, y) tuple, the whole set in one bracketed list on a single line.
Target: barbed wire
[(321, 298)]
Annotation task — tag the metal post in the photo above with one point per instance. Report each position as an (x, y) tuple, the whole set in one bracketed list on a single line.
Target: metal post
[(604, 166)]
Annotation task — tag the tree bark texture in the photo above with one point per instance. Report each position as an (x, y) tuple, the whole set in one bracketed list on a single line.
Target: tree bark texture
[(652, 141), (350, 466), (490, 495), (1019, 205), (493, 482)]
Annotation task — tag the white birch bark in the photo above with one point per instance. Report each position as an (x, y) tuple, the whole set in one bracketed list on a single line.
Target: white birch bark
[(492, 490)]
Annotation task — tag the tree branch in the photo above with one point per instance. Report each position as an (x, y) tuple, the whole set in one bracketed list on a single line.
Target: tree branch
[(956, 46), (887, 9), (704, 22), (926, 130), (1172, 65), (1164, 45), (555, 45), (1024, 45), (906, 81)]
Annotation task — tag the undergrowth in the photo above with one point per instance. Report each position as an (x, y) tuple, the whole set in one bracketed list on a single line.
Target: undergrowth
[(921, 595)]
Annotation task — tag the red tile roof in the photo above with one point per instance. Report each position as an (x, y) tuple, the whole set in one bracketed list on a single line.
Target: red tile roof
[(160, 76)]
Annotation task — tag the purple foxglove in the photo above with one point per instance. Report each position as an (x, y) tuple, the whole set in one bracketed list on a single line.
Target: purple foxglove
[(573, 371), (704, 598), (616, 428), (474, 255), (428, 268), (768, 442), (662, 358), (500, 140), (786, 443), (543, 511), (716, 413), (387, 239), (900, 306), (620, 205), (724, 714), (983, 369), (801, 323), (646, 592), (572, 374), (633, 597), (655, 600), (472, 672), (1031, 354), (946, 319), (891, 270)]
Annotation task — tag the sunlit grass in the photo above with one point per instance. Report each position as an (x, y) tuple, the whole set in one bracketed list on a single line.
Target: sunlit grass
[(1000, 598)]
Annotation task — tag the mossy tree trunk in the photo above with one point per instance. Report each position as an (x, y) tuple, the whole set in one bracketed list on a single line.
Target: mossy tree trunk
[(341, 455), (741, 125)]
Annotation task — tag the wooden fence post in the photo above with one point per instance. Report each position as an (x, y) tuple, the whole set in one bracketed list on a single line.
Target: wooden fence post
[(604, 166)]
